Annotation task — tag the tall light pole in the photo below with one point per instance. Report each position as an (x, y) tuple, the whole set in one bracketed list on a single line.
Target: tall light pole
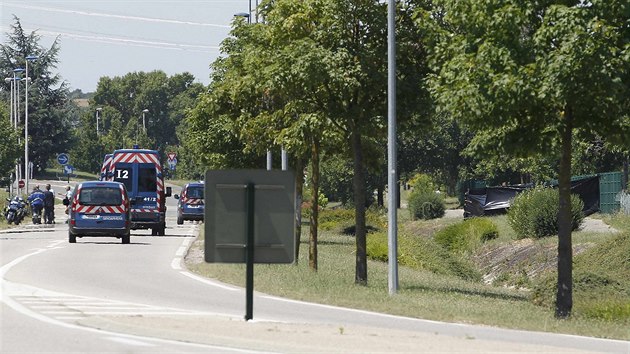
[(16, 101), (26, 169), (11, 118), (11, 80), (249, 21), (144, 125), (392, 178), (98, 117)]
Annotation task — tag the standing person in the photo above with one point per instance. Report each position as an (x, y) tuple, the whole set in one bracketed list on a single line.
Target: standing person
[(49, 205), (67, 197)]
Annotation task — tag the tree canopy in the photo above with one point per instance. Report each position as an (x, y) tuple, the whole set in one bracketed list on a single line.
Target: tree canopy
[(49, 111), (527, 76)]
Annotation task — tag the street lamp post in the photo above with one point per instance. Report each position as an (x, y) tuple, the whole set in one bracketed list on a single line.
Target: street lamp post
[(98, 117), (26, 169), (11, 117), (249, 21), (144, 125), (12, 107)]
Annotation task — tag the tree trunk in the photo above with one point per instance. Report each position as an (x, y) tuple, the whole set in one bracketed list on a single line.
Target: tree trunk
[(380, 198), (312, 249), (358, 184), (564, 296), (299, 188)]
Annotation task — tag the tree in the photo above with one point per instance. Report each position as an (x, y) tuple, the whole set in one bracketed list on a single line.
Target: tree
[(50, 112), (339, 68), (530, 75), (138, 108), (9, 147)]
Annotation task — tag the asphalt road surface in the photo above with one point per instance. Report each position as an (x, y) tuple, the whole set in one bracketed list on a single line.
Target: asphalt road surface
[(100, 296)]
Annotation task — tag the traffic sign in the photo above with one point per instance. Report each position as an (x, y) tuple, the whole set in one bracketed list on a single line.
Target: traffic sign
[(63, 159), (172, 155), (68, 169), (21, 183)]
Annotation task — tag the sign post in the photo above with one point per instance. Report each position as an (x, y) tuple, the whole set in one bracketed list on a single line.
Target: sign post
[(249, 218)]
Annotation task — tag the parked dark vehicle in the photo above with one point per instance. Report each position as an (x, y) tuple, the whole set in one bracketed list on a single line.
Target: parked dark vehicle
[(190, 205), (99, 208)]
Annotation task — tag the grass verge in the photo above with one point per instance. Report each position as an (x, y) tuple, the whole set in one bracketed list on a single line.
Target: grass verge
[(422, 294)]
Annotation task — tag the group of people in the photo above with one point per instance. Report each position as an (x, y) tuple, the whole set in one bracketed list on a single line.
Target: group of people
[(45, 200)]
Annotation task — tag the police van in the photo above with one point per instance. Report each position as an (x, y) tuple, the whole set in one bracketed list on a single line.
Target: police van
[(99, 208), (190, 205), (141, 172), (107, 160)]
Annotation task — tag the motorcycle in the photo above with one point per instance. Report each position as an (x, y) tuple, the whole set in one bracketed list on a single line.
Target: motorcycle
[(37, 213), (15, 211)]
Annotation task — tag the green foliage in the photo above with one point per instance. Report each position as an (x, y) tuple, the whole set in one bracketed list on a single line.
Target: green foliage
[(122, 101), (50, 114), (9, 148), (421, 253), (423, 183), (534, 212), (426, 205), (466, 235), (342, 220), (601, 281)]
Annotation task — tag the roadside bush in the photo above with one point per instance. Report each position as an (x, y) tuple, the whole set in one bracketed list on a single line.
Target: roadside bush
[(534, 213), (342, 220), (467, 235), (422, 183), (423, 254), (426, 206)]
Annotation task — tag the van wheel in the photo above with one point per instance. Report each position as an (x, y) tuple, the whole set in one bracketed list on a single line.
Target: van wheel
[(180, 220), (154, 231), (126, 239), (72, 238), (162, 229)]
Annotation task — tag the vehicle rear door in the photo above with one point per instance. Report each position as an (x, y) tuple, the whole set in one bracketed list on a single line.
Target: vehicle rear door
[(100, 207)]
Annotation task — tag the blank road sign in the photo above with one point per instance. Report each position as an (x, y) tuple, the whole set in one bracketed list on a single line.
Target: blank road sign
[(226, 216)]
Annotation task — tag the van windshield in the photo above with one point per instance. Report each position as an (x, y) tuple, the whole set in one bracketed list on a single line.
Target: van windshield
[(194, 192), (100, 196)]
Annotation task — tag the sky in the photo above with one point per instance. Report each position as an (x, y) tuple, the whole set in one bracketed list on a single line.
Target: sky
[(115, 37)]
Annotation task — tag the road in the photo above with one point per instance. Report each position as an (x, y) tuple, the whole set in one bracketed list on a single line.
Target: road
[(99, 295)]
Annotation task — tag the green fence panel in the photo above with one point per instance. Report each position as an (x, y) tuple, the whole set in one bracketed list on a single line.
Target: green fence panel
[(610, 184)]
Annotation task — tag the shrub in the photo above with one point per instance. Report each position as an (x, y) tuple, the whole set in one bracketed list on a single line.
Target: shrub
[(534, 212), (342, 220), (421, 253), (422, 183), (466, 235), (426, 205)]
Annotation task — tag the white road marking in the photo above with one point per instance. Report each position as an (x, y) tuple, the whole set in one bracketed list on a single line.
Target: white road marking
[(128, 341), (210, 282), (176, 263)]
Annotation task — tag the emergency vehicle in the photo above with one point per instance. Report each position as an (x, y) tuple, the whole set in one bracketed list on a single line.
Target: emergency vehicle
[(107, 160), (99, 208), (141, 172), (190, 205)]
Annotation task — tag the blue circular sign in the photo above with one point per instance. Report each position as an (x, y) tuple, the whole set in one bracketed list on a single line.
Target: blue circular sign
[(63, 159)]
